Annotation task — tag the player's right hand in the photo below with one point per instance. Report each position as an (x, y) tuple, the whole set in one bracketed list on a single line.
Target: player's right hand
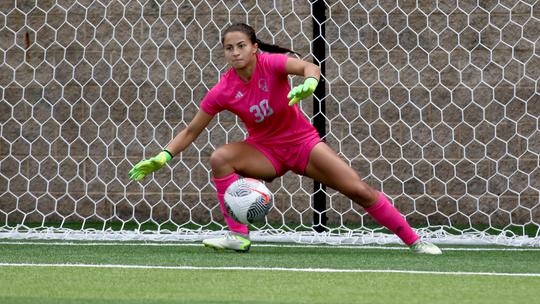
[(147, 166)]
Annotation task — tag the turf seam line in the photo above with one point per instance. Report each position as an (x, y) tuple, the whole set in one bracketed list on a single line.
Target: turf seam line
[(327, 270)]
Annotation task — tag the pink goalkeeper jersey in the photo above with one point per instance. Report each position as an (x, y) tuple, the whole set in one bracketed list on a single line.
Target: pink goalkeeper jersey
[(261, 103)]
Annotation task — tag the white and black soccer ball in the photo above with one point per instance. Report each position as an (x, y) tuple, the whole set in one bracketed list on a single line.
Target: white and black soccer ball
[(248, 200)]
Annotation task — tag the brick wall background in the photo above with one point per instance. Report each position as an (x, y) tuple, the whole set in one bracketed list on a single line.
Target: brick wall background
[(436, 104)]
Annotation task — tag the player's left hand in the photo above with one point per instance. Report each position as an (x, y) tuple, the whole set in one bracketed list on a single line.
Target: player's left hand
[(302, 91)]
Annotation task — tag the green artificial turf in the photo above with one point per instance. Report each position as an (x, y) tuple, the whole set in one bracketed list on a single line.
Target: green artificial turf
[(46, 284)]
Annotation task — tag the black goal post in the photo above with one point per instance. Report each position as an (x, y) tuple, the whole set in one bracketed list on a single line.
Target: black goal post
[(319, 109)]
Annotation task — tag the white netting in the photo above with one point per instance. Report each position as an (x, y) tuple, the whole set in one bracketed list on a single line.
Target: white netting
[(435, 102)]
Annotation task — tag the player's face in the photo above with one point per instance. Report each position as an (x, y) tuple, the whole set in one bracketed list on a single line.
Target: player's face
[(239, 50)]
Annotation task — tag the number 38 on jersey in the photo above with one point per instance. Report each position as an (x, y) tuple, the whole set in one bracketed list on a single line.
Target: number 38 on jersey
[(261, 110)]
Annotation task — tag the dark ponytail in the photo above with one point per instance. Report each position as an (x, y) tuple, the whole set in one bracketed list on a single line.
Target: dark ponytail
[(274, 48), (250, 32)]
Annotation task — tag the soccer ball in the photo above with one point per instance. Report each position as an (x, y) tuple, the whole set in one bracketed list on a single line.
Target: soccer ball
[(247, 200)]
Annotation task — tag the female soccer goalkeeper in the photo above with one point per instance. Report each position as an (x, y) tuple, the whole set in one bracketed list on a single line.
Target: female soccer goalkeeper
[(280, 138)]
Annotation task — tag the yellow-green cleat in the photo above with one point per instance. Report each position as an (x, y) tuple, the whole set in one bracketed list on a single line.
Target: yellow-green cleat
[(423, 247), (230, 241)]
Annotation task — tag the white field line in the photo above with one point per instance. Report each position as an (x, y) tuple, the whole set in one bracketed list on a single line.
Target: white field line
[(320, 270), (185, 244)]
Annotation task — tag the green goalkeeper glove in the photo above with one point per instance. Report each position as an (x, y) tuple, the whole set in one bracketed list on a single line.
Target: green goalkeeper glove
[(302, 91), (145, 167)]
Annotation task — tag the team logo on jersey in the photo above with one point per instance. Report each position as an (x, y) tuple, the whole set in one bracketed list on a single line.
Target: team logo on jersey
[(239, 95), (262, 85)]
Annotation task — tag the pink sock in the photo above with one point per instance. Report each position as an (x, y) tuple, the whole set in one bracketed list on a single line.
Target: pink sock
[(388, 216), (221, 185)]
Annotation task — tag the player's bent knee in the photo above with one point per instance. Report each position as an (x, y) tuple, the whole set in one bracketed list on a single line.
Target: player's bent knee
[(219, 159)]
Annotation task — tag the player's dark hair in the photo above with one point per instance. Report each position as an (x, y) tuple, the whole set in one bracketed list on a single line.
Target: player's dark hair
[(250, 32)]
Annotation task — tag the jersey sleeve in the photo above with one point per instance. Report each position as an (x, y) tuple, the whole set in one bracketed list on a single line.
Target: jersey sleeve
[(210, 103), (277, 63)]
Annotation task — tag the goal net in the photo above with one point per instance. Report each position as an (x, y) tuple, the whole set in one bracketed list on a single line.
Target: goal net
[(435, 103)]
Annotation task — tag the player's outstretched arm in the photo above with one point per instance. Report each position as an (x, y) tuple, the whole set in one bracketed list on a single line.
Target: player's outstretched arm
[(179, 143)]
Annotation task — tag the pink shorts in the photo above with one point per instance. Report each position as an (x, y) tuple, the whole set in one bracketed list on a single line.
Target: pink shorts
[(288, 157)]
